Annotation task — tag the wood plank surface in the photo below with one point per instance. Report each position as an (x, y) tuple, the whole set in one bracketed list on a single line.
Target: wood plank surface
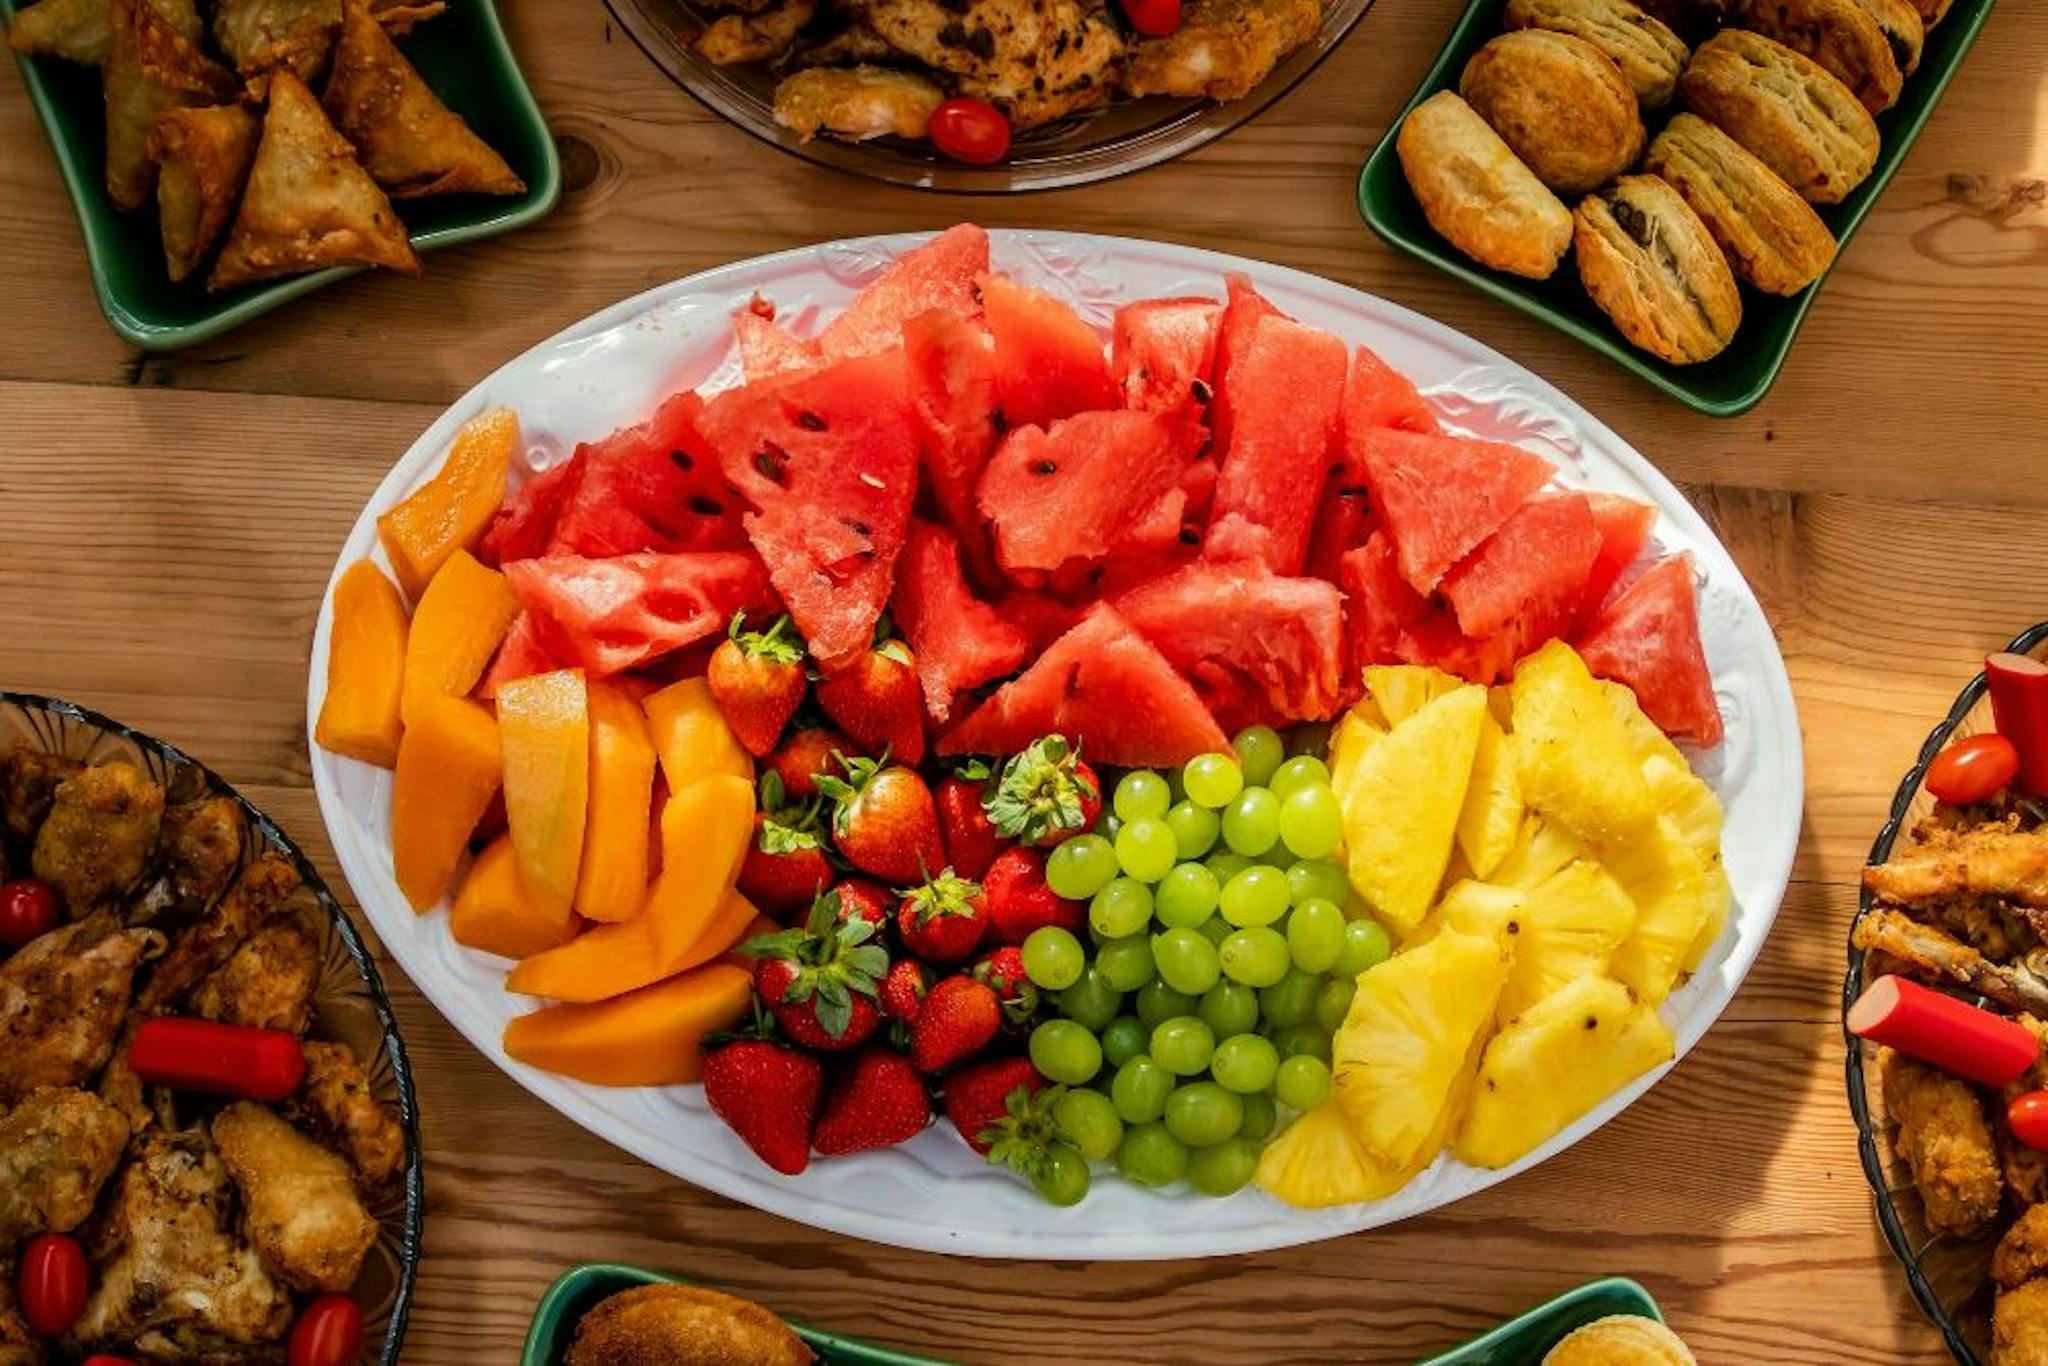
[(167, 523)]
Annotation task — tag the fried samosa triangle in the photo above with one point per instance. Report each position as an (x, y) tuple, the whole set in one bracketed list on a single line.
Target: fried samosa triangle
[(308, 204), (152, 67), (76, 30), (260, 34), (411, 142), (202, 158)]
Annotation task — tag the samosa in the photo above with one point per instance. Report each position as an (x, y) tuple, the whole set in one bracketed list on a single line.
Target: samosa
[(202, 158), (76, 30), (258, 35), (152, 66)]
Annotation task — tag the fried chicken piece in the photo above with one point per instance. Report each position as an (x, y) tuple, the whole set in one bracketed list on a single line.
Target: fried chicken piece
[(1945, 1140), (735, 38), (263, 886), (1036, 60), (856, 103), (335, 1104), (1926, 950), (29, 780), (2019, 1326), (683, 1325), (2025, 1168), (123, 1090), (62, 1000), (2022, 1254), (1223, 49), (18, 1346), (100, 835), (268, 983), (202, 849), (1990, 861), (299, 1204), (57, 1148)]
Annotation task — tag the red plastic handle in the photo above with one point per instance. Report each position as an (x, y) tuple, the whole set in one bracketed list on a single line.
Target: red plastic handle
[(1938, 1029), (2019, 707), (224, 1059)]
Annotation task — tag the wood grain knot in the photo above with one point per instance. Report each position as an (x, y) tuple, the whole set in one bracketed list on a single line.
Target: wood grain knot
[(581, 162), (1997, 197)]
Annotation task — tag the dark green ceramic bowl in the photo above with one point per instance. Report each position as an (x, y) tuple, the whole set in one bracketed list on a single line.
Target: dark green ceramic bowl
[(1525, 1341), (1735, 380), (463, 55)]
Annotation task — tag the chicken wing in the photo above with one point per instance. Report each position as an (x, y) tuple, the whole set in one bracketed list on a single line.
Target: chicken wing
[(2022, 1254), (2025, 1168), (1945, 1141), (1989, 861), (143, 1107), (100, 835), (1223, 48), (268, 983), (2016, 986), (1037, 60), (57, 1148), (62, 1000), (29, 780), (264, 885), (300, 1209), (2019, 1326), (335, 1104), (849, 41), (202, 848), (735, 38), (856, 103)]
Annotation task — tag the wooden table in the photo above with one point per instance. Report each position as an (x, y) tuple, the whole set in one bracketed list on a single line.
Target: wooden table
[(166, 525)]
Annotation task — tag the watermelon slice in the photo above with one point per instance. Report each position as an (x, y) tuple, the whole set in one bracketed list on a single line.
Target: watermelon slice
[(615, 614), (1285, 385), (938, 274), (1528, 576), (523, 527), (1375, 395), (1049, 364), (953, 388), (1388, 622), (1078, 489), (1104, 688), (960, 641), (1162, 355), (828, 459), (1624, 526), (1259, 647), (1378, 395), (766, 350), (1440, 496), (1040, 616), (1241, 313), (1648, 636), (656, 486), (1434, 639), (520, 655)]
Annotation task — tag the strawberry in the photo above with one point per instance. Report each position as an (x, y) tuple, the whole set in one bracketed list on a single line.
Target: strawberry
[(959, 1018), (1002, 970), (868, 900), (883, 820), (877, 701), (806, 754), (785, 869), (1020, 902), (971, 839), (1046, 795), (943, 919), (877, 1099), (977, 1097), (903, 990), (767, 1093), (757, 679), (820, 979)]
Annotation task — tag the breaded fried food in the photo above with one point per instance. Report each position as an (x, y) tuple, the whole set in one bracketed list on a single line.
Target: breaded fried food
[(1945, 1140), (1939, 956), (2022, 1254), (758, 37), (300, 1209), (683, 1325), (259, 892), (2025, 1167), (856, 103), (260, 34), (57, 1148), (267, 984), (1621, 1340), (99, 836), (1223, 49), (29, 779), (202, 158), (152, 67), (202, 848), (62, 1000), (1036, 60), (1988, 861), (76, 30), (336, 1105), (142, 1107), (2019, 1326), (19, 1346)]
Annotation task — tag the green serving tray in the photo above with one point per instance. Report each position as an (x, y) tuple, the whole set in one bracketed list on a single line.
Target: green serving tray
[(1735, 380), (463, 55), (579, 1288), (1525, 1341)]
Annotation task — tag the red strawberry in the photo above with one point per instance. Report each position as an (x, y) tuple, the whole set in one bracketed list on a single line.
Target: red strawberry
[(943, 919), (884, 822), (767, 1093), (785, 869), (978, 1097), (1045, 795), (903, 990), (971, 839), (1003, 971), (820, 979), (806, 754), (878, 1099), (757, 678), (877, 701), (959, 1018), (868, 900), (1020, 902)]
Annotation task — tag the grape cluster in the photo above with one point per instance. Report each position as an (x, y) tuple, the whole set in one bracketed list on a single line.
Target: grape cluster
[(1221, 961)]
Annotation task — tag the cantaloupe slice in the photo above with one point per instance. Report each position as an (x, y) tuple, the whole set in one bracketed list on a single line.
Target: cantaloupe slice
[(359, 717), (544, 725), (449, 768), (493, 913), (450, 511), (460, 620), (611, 884), (650, 1037), (691, 736)]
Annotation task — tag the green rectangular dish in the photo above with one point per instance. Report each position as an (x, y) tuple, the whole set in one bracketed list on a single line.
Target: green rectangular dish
[(579, 1288), (1526, 1340), (1735, 380), (463, 55)]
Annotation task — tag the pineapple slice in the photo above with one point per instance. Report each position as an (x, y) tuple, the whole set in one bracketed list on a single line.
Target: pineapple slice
[(1575, 760), (1500, 700), (1540, 851), (1315, 1162), (1404, 1049), (1568, 928), (1401, 807), (1696, 812), (1677, 898), (1401, 690), (1473, 907), (1556, 1061), (1649, 741), (1492, 816), (1353, 735), (1720, 898)]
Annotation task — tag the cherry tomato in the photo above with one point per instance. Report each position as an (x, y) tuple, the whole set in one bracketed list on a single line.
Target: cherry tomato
[(102, 1359), (2027, 1116), (28, 907), (1153, 18), (52, 1284), (1971, 770), (328, 1333), (971, 130)]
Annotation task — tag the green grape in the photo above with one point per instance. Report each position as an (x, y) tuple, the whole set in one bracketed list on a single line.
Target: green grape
[(1176, 792), (1259, 752), (1146, 848), (1124, 1038), (1310, 878), (1158, 1002), (1194, 828), (1311, 738), (1091, 1002), (1366, 944), (1088, 1120), (1276, 857), (1122, 907), (1245, 1063), (1080, 867), (1302, 1041), (1141, 794), (1053, 958), (1333, 1003), (1311, 821), (1302, 1082), (1229, 1008), (1202, 1113), (1224, 865), (1061, 1176), (1215, 929), (1303, 770), (1126, 964), (1251, 823), (1098, 938), (1065, 1051), (1259, 1117), (1108, 823), (1256, 957), (1139, 1090), (1212, 779), (1185, 897), (1182, 1045), (1315, 935), (1256, 896), (1186, 961), (1223, 1168), (1291, 1000), (1151, 1156)]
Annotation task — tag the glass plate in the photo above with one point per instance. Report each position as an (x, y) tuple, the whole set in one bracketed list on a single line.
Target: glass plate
[(1127, 136)]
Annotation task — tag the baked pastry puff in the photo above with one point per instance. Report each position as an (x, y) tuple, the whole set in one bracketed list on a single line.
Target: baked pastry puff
[(1795, 116), (1771, 237), (1560, 103), (1477, 193), (1653, 268), (1648, 53), (1841, 36)]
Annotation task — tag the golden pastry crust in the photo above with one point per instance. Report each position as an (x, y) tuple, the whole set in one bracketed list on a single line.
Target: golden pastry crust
[(1621, 1340), (683, 1325), (1795, 116), (1932, 12), (1771, 236), (1903, 28), (1477, 193), (1840, 36), (1653, 268), (1648, 54), (1559, 103)]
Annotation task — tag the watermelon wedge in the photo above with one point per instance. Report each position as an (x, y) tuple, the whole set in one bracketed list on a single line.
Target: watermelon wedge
[(1049, 363), (1648, 637), (520, 655), (1103, 687), (960, 641), (656, 486), (953, 389), (1162, 355), (523, 527), (1259, 647), (1529, 575), (766, 350), (618, 613), (1244, 307), (938, 274), (1040, 616), (1077, 490), (1624, 526), (1378, 395), (1439, 496), (1379, 606)]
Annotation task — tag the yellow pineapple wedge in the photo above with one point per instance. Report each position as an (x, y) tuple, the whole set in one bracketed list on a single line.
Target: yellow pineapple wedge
[(1401, 807), (1575, 760), (1569, 927), (1315, 1162), (1474, 907), (1678, 896), (1540, 851), (1491, 819), (1354, 734), (1556, 1061), (1680, 794), (1414, 1029), (1401, 690), (1649, 741)]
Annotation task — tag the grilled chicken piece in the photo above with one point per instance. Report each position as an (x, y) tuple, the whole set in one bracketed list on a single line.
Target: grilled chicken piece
[(1036, 60), (99, 836), (62, 1000), (854, 43), (29, 780), (335, 1104), (264, 886), (18, 1346), (268, 983), (57, 1148), (300, 1209), (856, 103), (1223, 48), (2016, 986), (202, 849), (1990, 861), (1945, 1140), (735, 38)]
